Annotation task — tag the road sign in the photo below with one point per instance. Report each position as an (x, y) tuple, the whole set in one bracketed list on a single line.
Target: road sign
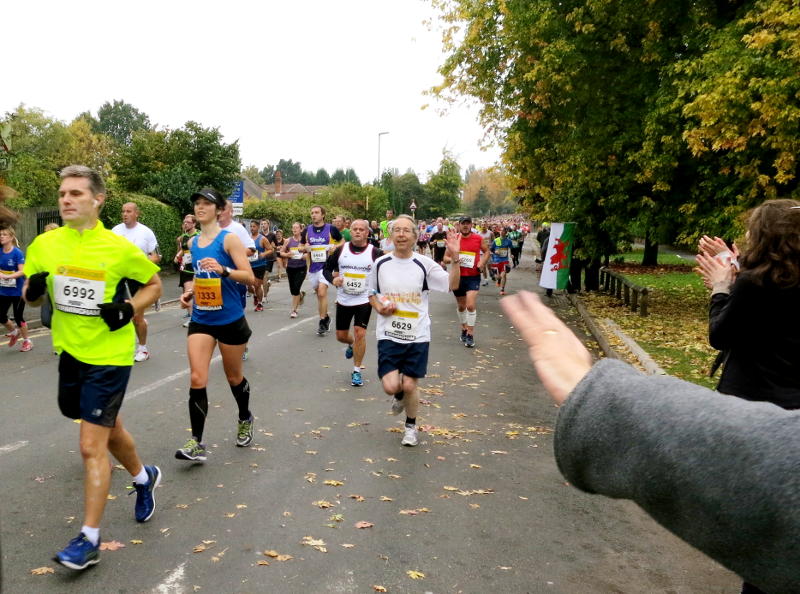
[(237, 198)]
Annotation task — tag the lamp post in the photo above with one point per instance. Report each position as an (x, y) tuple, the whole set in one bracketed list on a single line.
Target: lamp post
[(366, 214)]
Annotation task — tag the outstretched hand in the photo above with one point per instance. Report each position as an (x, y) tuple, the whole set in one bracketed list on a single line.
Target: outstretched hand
[(453, 243), (558, 355)]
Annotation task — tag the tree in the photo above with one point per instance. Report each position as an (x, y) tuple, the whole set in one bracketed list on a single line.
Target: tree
[(481, 205), (119, 120), (442, 194), (251, 172), (291, 171), (268, 174), (351, 176), (322, 178), (338, 177)]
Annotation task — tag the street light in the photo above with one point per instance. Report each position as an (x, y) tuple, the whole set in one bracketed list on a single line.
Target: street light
[(379, 169)]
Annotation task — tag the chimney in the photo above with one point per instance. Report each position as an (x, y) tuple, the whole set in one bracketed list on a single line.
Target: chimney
[(278, 183)]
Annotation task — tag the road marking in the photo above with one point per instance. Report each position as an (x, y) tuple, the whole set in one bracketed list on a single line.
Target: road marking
[(179, 374), (12, 447), (173, 583)]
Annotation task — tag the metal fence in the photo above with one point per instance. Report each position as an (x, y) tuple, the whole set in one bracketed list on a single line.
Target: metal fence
[(32, 222)]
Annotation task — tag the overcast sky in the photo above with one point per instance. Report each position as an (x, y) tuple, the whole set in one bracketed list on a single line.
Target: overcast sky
[(309, 80)]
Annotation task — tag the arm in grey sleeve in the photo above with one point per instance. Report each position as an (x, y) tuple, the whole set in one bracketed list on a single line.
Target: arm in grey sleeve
[(720, 472)]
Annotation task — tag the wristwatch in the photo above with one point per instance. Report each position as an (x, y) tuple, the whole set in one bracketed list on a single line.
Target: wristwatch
[(226, 272)]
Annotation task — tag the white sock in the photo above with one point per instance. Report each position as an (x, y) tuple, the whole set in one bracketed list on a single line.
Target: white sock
[(141, 478), (470, 318), (462, 316), (93, 534), (357, 368)]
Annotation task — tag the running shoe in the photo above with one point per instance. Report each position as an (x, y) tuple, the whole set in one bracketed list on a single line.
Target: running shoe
[(255, 301), (355, 379), (194, 451), (469, 341), (463, 335), (79, 554), (502, 292), (145, 496), (142, 354), (348, 352), (244, 434), (12, 337), (26, 345), (410, 436), (293, 314), (259, 307), (321, 329), (157, 305), (246, 353), (186, 323), (327, 322), (485, 282), (398, 405)]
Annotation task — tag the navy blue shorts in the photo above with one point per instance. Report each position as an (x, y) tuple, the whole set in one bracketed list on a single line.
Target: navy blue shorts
[(467, 283), (410, 359), (92, 393)]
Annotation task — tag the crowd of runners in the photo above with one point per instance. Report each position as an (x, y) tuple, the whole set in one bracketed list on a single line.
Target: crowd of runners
[(95, 284)]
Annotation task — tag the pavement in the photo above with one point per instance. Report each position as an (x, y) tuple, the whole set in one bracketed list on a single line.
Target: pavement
[(478, 506)]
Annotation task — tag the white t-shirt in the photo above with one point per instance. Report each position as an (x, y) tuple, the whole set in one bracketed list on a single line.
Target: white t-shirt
[(401, 280), (242, 233), (355, 270), (139, 235)]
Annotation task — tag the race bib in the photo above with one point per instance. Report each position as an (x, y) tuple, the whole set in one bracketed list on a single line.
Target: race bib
[(440, 243), (5, 281), (186, 259), (354, 283), (208, 294), (296, 253), (319, 253), (403, 325), (514, 243), (502, 252), (466, 259), (79, 290), (253, 258)]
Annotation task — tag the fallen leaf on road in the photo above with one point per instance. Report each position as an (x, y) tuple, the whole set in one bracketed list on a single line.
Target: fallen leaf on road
[(230, 515), (336, 518), (475, 466), (502, 452), (394, 430), (311, 477), (333, 483), (474, 505), (284, 557), (136, 541), (409, 512), (415, 575), (111, 497), (322, 504), (271, 553), (379, 589), (316, 543), (384, 498), (42, 570), (347, 545), (358, 498), (363, 524), (369, 460), (394, 476), (503, 567), (241, 506), (262, 562), (449, 488), (392, 460), (182, 506), (311, 452), (111, 545)]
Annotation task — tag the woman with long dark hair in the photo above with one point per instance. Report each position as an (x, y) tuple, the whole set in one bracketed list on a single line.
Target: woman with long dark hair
[(754, 318)]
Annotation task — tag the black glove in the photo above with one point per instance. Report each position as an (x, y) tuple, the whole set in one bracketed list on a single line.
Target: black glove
[(116, 315), (37, 285)]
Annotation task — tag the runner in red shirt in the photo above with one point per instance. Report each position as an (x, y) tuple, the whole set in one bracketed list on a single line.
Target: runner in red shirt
[(472, 258)]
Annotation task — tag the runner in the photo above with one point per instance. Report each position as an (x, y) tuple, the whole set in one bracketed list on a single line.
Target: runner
[(385, 223), (143, 237), (295, 253), (221, 262), (487, 235), (184, 257), (266, 230), (501, 248), (348, 269), (227, 223), (319, 238), (375, 234), (399, 284), (473, 255), (279, 241), (81, 266), (258, 264), (12, 277), (438, 242), (424, 238), (516, 239)]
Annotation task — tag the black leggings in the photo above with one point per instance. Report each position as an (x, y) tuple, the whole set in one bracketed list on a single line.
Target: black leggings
[(296, 278), (17, 305)]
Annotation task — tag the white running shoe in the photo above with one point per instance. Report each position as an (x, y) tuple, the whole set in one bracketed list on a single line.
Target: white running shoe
[(410, 437), (142, 354)]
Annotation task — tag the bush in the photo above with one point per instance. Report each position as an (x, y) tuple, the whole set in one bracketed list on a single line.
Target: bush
[(283, 213), (164, 220)]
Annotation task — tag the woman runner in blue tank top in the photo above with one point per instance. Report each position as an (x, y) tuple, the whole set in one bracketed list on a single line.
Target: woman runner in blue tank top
[(220, 262)]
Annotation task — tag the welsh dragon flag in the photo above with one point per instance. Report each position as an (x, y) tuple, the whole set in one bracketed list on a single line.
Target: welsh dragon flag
[(555, 264)]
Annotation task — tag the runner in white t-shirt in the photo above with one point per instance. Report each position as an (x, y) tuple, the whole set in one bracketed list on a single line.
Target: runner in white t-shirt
[(144, 238), (400, 283)]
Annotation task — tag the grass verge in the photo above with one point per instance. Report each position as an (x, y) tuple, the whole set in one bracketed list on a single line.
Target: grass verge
[(675, 333)]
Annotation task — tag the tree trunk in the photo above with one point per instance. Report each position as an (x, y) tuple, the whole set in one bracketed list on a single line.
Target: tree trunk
[(592, 280), (650, 257)]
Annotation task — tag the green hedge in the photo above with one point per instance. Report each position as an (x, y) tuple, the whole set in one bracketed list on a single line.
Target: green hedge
[(283, 213), (164, 220)]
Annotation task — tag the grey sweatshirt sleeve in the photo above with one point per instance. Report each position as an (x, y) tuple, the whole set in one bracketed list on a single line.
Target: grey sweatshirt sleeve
[(720, 472)]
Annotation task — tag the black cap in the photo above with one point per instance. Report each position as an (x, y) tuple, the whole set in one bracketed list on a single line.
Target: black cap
[(465, 219), (211, 195)]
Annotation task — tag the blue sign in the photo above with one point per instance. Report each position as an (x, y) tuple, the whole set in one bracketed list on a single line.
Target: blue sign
[(237, 196)]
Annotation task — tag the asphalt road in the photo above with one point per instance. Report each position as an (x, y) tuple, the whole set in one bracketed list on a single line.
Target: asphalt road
[(478, 506)]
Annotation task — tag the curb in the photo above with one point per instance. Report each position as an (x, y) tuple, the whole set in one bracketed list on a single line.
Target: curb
[(598, 334)]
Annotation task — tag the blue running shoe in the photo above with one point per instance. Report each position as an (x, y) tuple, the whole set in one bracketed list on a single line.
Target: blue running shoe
[(355, 379), (145, 497), (79, 554), (348, 352)]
